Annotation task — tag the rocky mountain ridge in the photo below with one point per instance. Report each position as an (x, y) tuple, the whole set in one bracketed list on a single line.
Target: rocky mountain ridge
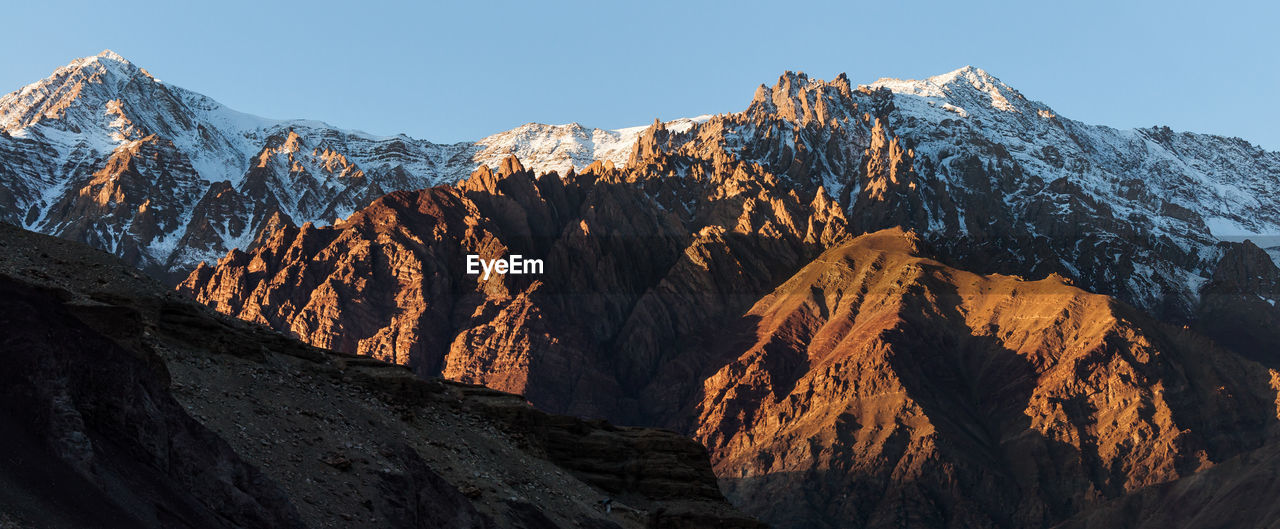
[(1004, 178)]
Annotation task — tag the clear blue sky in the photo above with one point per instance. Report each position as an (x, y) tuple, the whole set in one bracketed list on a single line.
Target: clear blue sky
[(462, 70)]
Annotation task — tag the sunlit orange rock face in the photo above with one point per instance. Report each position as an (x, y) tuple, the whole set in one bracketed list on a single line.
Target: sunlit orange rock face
[(881, 388)]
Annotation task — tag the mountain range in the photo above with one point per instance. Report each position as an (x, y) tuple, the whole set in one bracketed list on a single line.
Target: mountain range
[(908, 303)]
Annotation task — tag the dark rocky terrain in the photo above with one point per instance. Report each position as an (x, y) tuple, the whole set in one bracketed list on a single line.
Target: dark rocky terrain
[(1223, 496), (129, 406)]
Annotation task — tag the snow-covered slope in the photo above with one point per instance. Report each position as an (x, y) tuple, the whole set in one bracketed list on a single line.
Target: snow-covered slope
[(1229, 183), (72, 151), (99, 103), (1180, 192)]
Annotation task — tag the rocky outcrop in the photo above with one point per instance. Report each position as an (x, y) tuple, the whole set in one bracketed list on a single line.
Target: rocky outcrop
[(127, 406), (1238, 303), (667, 474)]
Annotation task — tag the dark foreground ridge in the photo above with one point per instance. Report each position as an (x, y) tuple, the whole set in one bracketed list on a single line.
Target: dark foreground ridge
[(125, 405)]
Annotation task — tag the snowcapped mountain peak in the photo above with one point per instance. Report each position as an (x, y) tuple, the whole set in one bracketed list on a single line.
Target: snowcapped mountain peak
[(84, 85), (113, 56), (107, 63), (104, 61), (963, 89), (968, 73), (94, 104)]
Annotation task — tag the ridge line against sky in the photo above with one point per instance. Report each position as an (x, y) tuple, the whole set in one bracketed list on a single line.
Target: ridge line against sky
[(455, 71)]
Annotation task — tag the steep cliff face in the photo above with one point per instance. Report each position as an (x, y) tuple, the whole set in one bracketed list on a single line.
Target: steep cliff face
[(882, 388), (1238, 303), (127, 406)]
